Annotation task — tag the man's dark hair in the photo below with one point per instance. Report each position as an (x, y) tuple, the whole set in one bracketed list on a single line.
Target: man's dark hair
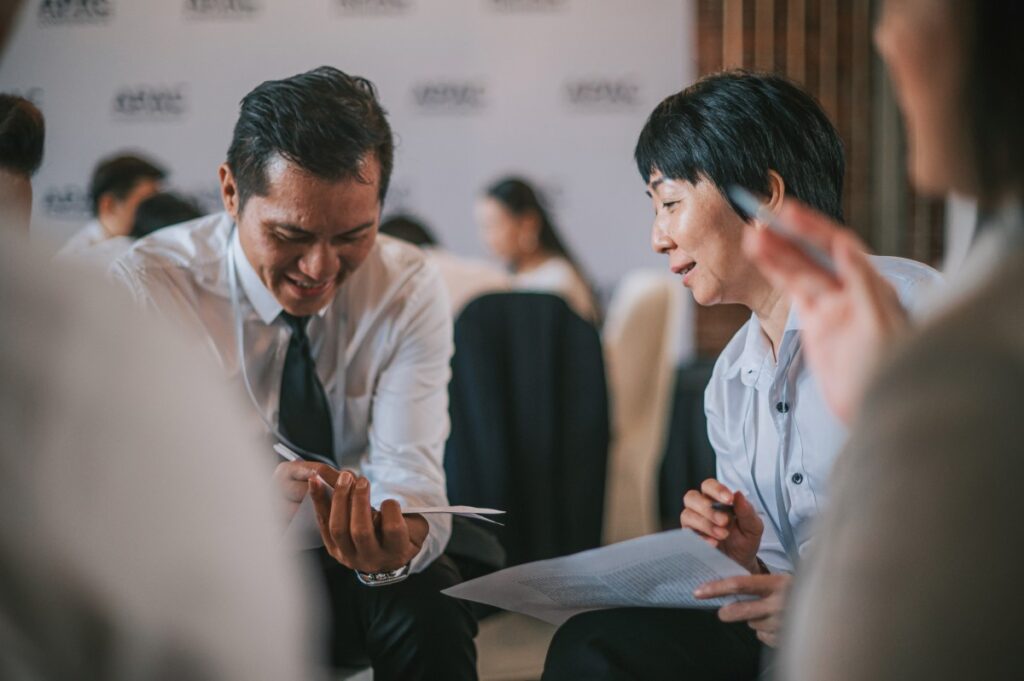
[(119, 175), (733, 127), (408, 228), (22, 132), (324, 121), (162, 210)]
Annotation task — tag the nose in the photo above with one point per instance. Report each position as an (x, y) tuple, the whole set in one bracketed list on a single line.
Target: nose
[(660, 241), (319, 263)]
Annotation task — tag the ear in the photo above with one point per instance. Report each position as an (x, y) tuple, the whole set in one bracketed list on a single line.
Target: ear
[(106, 205), (776, 191), (228, 191)]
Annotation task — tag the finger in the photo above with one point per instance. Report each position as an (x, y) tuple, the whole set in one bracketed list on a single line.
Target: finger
[(815, 227), (394, 531), (770, 624), (695, 521), (770, 640), (322, 510), (339, 521), (702, 504), (786, 265), (747, 518), (751, 585), (328, 473), (743, 611), (364, 536), (716, 491)]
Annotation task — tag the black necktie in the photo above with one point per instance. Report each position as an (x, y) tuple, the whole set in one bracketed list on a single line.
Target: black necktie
[(304, 415)]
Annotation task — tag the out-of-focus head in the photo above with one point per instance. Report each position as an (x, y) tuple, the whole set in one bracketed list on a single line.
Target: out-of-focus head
[(305, 177), (408, 228), (514, 222), (955, 65), (755, 130), (162, 210), (118, 185), (22, 132)]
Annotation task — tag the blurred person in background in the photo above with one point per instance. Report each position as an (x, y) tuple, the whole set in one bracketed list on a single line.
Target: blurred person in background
[(517, 229), (22, 132), (464, 278), (118, 185), (917, 571), (774, 437), (158, 211), (119, 548)]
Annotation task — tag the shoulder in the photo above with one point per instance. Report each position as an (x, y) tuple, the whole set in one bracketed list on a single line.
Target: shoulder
[(912, 280), (394, 275), (730, 362)]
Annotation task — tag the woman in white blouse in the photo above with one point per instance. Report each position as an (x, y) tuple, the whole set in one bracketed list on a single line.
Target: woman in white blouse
[(517, 229)]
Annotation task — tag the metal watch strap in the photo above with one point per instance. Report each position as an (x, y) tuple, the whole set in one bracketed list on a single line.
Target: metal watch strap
[(383, 578)]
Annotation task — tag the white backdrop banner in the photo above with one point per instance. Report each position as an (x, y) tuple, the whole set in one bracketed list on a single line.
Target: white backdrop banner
[(555, 90)]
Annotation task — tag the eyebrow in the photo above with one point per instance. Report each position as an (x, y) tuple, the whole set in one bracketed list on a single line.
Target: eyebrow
[(293, 228), (654, 185)]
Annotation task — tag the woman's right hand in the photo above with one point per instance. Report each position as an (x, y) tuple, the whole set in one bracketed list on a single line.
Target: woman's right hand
[(736, 534)]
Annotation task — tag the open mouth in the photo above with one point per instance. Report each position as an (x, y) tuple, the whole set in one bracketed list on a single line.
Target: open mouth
[(689, 268), (308, 289)]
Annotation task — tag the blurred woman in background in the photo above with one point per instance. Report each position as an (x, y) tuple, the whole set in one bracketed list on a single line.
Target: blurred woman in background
[(517, 229)]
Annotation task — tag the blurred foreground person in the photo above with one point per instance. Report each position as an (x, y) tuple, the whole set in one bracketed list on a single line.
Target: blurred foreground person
[(21, 152), (464, 278), (518, 229), (916, 574), (126, 495)]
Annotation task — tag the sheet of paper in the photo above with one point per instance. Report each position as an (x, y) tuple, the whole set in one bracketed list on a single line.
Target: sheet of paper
[(303, 533), (659, 570)]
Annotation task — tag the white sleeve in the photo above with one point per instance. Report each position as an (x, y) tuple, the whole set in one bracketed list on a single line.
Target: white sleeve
[(409, 423)]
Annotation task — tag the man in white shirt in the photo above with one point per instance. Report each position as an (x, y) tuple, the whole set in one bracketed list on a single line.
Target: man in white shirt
[(342, 341), (118, 185)]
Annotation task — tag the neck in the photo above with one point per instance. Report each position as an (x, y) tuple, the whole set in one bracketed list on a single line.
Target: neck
[(531, 261), (111, 233), (772, 310)]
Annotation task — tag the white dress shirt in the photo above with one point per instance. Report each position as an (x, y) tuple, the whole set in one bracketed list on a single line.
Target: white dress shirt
[(382, 349), (87, 236), (139, 537), (559, 277), (774, 436)]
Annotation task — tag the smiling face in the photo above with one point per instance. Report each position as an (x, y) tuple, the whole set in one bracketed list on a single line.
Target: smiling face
[(307, 235), (701, 235)]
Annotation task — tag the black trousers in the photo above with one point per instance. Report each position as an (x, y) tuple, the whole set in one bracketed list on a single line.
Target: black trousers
[(651, 644), (406, 631)]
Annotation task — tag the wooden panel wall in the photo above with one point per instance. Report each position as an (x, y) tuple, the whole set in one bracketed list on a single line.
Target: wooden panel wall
[(826, 46)]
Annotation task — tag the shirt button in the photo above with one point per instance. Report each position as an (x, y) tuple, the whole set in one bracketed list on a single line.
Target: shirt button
[(797, 478), (782, 407)]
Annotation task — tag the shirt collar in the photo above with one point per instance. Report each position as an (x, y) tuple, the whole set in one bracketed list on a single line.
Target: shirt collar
[(263, 301), (756, 352)]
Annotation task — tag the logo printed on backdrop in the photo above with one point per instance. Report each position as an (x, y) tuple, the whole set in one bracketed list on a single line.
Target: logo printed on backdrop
[(527, 5), (450, 97), (150, 102), (75, 12), (222, 9), (603, 94), (68, 202), (374, 7)]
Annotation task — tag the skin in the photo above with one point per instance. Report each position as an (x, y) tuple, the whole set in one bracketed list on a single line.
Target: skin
[(850, 319), (512, 238), (703, 237), (310, 230), (117, 216), (16, 200)]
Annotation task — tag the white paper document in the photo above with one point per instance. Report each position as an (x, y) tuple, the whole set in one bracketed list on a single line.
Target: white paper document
[(304, 533), (658, 571)]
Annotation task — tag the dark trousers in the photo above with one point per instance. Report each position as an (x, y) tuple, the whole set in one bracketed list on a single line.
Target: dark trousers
[(406, 631), (650, 644)]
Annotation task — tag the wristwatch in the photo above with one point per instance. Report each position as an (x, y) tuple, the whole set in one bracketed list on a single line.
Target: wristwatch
[(383, 578)]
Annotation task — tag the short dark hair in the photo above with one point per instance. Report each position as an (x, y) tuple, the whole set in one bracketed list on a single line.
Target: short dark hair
[(408, 228), (119, 175), (162, 210), (735, 126), (324, 121), (22, 132)]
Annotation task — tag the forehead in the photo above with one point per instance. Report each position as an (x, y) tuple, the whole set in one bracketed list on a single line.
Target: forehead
[(298, 198)]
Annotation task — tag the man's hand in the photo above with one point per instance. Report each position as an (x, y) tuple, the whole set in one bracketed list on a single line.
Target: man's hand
[(846, 319), (359, 537), (292, 479), (736, 534), (763, 615)]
